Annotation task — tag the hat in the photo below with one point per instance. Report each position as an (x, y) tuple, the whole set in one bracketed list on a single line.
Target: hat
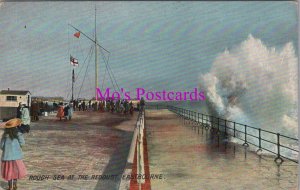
[(12, 123)]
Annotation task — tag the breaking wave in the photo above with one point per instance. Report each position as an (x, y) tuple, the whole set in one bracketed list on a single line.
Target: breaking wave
[(255, 85)]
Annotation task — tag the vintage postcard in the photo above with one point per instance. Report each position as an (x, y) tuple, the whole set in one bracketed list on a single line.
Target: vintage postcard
[(140, 95)]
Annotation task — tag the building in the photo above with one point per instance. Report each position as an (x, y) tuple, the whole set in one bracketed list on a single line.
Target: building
[(9, 101)]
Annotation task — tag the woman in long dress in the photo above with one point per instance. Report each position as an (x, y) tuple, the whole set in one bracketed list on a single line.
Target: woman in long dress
[(12, 141), (60, 112)]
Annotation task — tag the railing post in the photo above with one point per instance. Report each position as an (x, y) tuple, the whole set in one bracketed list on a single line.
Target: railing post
[(218, 126), (206, 122), (245, 143), (234, 129), (192, 115), (278, 159), (259, 150), (197, 121), (225, 128), (212, 123)]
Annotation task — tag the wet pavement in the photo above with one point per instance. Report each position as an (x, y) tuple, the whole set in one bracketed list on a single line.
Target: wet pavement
[(90, 144), (190, 157)]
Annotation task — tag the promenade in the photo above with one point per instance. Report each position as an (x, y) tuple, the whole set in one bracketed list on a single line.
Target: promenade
[(90, 144), (191, 158)]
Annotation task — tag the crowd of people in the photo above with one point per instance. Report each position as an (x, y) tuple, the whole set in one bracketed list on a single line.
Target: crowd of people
[(109, 105), (65, 111), (114, 106)]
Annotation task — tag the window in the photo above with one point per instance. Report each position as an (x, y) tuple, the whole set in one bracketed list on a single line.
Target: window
[(11, 98)]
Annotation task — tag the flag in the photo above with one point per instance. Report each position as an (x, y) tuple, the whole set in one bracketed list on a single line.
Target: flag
[(73, 76), (77, 34), (73, 61)]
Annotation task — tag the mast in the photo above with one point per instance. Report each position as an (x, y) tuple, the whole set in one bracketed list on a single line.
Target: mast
[(73, 80), (96, 57), (97, 45)]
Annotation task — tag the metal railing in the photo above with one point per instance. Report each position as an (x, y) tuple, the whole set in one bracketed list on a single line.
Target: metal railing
[(257, 136), (137, 143)]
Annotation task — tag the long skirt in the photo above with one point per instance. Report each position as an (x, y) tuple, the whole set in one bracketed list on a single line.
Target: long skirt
[(13, 169), (60, 112)]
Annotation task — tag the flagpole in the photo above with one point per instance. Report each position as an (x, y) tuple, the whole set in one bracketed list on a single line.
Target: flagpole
[(96, 57), (73, 77)]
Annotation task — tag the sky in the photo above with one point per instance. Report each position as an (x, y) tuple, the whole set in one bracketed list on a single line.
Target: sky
[(154, 45)]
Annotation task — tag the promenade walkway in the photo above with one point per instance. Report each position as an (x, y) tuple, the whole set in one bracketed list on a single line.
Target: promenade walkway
[(193, 159), (90, 144)]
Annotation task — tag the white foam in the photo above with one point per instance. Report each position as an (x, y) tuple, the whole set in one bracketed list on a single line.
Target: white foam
[(256, 85)]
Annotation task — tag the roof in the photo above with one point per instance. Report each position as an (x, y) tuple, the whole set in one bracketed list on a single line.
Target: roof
[(14, 92)]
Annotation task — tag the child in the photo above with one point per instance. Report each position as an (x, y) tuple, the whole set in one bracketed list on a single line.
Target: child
[(12, 166)]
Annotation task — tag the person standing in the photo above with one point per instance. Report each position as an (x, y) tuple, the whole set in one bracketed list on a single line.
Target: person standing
[(60, 112), (70, 111), (12, 141), (19, 110), (112, 106), (79, 105), (131, 109), (66, 112), (25, 118), (35, 111), (142, 103), (118, 106), (83, 105), (126, 107), (47, 107)]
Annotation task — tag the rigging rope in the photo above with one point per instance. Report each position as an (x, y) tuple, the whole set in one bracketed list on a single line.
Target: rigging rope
[(110, 70), (103, 80), (84, 76)]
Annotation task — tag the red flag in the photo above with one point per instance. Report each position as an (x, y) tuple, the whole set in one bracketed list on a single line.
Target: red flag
[(77, 34)]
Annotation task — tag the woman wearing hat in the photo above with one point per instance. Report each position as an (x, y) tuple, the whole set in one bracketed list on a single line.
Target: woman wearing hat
[(12, 166)]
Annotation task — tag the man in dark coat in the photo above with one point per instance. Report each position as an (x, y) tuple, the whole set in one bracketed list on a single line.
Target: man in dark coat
[(83, 106), (19, 110)]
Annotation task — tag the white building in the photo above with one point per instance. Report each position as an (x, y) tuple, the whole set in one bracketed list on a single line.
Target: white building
[(9, 101)]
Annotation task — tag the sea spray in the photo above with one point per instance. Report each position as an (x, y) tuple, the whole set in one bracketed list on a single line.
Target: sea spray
[(256, 85)]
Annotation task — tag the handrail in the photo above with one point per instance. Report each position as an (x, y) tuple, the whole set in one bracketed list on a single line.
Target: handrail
[(138, 145), (140, 148), (215, 122)]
